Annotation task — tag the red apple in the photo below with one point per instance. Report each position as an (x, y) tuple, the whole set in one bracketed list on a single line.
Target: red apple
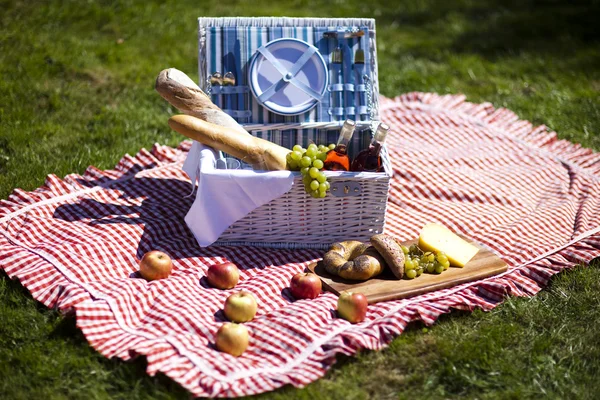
[(155, 265), (240, 307), (223, 276), (352, 306), (232, 338), (305, 286)]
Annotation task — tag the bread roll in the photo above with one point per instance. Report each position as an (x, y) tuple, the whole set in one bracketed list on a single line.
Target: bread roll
[(353, 260)]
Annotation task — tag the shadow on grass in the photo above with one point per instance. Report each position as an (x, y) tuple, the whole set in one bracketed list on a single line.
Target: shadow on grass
[(494, 27), (540, 26)]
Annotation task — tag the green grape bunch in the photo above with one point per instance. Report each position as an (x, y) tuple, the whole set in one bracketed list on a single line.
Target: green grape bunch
[(416, 261), (310, 163)]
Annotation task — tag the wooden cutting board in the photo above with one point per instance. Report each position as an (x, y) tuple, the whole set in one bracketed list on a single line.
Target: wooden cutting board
[(387, 287)]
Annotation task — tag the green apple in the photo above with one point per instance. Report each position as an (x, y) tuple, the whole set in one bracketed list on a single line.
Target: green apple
[(232, 338), (240, 307)]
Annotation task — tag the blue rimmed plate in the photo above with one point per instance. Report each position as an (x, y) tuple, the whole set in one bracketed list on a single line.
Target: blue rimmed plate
[(288, 76)]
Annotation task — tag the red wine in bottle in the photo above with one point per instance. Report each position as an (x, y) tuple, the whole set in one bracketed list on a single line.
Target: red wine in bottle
[(337, 159), (369, 159)]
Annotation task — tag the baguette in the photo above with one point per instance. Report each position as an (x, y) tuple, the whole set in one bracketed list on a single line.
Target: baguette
[(181, 92), (259, 153)]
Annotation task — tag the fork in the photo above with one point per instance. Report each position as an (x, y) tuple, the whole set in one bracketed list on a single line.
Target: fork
[(336, 65)]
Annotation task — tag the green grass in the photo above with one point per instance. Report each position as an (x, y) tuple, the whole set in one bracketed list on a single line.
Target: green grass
[(76, 89)]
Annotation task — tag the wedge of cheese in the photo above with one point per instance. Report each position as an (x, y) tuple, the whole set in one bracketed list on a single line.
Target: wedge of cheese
[(435, 237)]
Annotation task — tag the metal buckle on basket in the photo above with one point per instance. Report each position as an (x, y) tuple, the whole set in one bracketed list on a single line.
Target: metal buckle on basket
[(345, 189)]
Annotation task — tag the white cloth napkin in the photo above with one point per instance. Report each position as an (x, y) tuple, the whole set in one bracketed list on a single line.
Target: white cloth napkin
[(225, 196)]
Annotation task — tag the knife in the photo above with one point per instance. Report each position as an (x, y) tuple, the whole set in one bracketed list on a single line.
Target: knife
[(359, 68), (348, 79), (228, 79)]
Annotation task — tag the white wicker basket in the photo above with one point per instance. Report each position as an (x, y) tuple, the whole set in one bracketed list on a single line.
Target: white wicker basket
[(356, 204)]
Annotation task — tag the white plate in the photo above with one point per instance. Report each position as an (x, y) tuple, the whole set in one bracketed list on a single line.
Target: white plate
[(288, 99)]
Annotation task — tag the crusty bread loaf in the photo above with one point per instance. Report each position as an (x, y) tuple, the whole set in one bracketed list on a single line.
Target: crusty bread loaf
[(259, 153), (179, 90), (390, 250)]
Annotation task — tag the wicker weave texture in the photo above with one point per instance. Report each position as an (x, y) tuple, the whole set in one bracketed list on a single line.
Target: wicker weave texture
[(296, 220)]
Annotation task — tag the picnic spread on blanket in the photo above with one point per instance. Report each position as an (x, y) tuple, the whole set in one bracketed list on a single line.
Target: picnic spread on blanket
[(308, 216)]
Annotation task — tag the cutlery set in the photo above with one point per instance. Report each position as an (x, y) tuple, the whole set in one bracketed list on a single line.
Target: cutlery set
[(348, 34), (347, 78), (217, 79), (289, 76)]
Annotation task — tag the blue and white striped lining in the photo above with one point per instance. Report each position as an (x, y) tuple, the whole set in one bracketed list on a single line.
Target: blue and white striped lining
[(230, 44)]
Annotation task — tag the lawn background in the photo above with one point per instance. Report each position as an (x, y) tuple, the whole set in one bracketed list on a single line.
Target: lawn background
[(76, 89)]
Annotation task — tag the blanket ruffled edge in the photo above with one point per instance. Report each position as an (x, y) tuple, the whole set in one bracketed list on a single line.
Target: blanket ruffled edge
[(52, 289)]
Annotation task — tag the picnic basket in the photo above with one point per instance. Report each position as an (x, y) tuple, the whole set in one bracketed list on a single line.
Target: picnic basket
[(355, 206)]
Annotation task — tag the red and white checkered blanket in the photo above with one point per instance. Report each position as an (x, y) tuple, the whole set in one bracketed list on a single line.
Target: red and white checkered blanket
[(515, 188)]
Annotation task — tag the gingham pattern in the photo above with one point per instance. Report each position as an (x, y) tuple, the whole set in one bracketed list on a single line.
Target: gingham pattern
[(73, 243)]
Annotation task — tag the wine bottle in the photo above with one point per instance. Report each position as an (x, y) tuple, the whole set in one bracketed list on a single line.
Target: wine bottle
[(369, 159), (337, 159)]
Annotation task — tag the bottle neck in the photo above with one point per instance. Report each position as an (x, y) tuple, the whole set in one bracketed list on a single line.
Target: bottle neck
[(380, 135), (346, 133), (374, 148)]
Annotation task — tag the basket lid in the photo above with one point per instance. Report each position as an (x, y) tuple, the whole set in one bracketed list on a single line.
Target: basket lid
[(288, 76)]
